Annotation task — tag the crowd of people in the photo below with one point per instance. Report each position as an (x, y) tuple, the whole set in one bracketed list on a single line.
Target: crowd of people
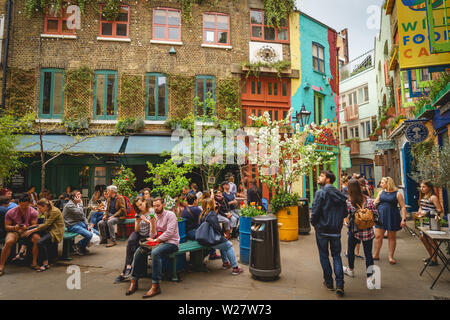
[(156, 228), (155, 231), (333, 209)]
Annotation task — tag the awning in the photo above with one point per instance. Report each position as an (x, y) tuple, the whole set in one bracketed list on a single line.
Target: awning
[(71, 144), (154, 145)]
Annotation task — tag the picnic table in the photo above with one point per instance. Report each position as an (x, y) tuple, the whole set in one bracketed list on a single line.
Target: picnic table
[(439, 237)]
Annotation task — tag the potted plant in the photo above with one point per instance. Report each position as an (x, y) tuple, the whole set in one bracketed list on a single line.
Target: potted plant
[(245, 222), (373, 136), (286, 160), (390, 111)]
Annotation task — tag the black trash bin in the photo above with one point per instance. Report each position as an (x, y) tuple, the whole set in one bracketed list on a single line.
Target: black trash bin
[(304, 226), (265, 248)]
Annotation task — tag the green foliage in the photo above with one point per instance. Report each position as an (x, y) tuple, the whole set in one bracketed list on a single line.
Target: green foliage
[(125, 183), (77, 89), (20, 92), (255, 68), (352, 139), (432, 164), (181, 93), (396, 121), (251, 211), (126, 125), (11, 128), (276, 10), (168, 179), (131, 94), (111, 10), (228, 98), (33, 6), (282, 200), (186, 9), (436, 87)]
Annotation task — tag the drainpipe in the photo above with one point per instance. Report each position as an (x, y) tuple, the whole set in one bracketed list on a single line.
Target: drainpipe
[(5, 55)]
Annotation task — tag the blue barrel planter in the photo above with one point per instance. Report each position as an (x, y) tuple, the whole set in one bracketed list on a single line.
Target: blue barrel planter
[(182, 230), (245, 224)]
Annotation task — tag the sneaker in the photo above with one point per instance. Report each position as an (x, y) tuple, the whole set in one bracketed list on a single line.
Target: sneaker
[(112, 244), (340, 291), (119, 279), (348, 272), (329, 286), (214, 257), (77, 250), (433, 263), (127, 273), (226, 265), (360, 257), (236, 271)]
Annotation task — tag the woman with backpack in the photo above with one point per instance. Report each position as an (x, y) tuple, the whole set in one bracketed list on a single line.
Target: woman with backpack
[(387, 203), (226, 247), (362, 217)]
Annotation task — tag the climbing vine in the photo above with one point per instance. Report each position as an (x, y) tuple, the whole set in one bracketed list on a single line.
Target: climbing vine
[(110, 10), (131, 99), (78, 90), (181, 91), (255, 68), (20, 93), (228, 93), (277, 10)]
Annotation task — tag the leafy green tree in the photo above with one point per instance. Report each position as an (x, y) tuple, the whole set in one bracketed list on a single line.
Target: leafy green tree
[(125, 183), (11, 129)]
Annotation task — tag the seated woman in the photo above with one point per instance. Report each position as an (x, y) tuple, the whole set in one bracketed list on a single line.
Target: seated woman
[(144, 211), (226, 247), (98, 207), (223, 213), (51, 231), (428, 202)]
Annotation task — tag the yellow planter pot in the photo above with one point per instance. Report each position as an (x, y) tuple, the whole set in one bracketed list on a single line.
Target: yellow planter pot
[(288, 223)]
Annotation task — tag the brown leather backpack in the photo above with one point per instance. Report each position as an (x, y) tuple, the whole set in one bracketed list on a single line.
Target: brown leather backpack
[(364, 218)]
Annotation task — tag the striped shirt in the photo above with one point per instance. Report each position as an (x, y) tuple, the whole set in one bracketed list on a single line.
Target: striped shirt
[(144, 227), (427, 205)]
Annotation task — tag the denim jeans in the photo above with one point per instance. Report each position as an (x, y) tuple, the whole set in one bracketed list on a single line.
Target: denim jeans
[(227, 252), (140, 261), (96, 217), (82, 229), (352, 241), (334, 242)]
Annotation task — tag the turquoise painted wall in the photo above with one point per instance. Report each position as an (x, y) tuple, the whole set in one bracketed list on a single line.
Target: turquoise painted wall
[(312, 31)]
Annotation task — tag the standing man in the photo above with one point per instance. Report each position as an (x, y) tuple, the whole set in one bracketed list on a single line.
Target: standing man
[(17, 221), (328, 212), (76, 222), (164, 234), (115, 211)]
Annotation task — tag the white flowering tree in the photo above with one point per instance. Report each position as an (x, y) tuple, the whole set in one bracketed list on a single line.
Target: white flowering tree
[(282, 156)]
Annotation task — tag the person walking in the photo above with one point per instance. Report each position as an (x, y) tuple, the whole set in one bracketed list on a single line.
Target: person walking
[(357, 200), (387, 203), (428, 202), (328, 212)]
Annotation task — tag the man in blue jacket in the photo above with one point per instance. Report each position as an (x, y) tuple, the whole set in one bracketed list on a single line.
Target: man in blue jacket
[(328, 212)]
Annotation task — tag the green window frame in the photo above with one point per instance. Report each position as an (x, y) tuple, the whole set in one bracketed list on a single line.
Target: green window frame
[(204, 80), (102, 105), (318, 108), (48, 95), (152, 95), (438, 23)]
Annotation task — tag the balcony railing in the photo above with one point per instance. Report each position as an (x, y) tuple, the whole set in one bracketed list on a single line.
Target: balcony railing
[(351, 113), (357, 65)]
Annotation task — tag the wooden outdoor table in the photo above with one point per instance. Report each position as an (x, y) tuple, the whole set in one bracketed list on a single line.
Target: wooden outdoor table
[(439, 238)]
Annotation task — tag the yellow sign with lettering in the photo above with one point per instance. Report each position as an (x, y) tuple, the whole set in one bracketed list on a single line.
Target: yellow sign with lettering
[(413, 33)]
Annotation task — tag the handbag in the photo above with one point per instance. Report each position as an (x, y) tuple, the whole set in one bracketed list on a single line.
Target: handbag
[(205, 234)]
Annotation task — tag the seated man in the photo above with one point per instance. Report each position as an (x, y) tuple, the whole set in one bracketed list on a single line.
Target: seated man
[(168, 242), (223, 213), (230, 197), (76, 222), (191, 214), (17, 221), (115, 211)]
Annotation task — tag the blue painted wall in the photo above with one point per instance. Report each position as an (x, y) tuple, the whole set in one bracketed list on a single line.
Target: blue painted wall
[(312, 31)]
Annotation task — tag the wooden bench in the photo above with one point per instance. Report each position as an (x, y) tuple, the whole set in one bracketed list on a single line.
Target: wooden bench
[(67, 244), (197, 253), (123, 224)]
